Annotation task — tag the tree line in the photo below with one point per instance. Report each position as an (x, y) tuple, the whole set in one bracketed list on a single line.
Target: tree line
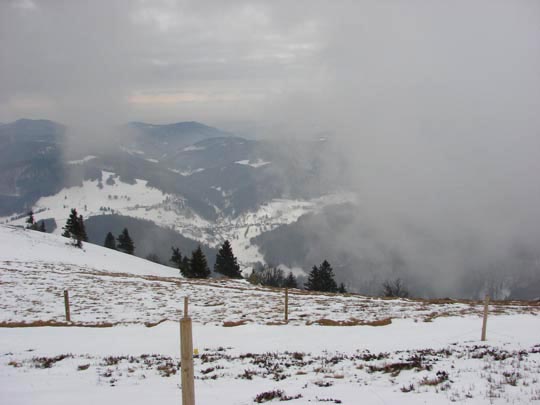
[(321, 278), (196, 266)]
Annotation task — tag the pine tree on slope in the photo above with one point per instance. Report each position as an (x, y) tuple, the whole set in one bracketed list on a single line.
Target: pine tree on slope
[(313, 282), (327, 277), (176, 257), (125, 243), (185, 267), (198, 265), (182, 263), (226, 262), (322, 279), (74, 228), (290, 281), (110, 242)]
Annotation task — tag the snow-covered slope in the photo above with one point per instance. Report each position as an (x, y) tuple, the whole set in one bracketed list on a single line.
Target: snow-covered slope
[(21, 247)]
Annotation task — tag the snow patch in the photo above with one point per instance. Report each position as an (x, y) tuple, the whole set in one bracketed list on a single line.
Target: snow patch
[(22, 245), (188, 172), (81, 161), (193, 148), (256, 164)]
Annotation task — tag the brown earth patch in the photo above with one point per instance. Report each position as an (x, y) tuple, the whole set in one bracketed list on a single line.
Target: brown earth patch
[(350, 322)]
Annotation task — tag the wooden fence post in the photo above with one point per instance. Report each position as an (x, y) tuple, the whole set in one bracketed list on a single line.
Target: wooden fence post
[(66, 305), (286, 305), (186, 350), (484, 322)]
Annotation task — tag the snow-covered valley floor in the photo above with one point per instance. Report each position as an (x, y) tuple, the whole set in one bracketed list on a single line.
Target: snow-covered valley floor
[(123, 343)]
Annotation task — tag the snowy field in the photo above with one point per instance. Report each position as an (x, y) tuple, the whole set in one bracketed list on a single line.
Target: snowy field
[(123, 343)]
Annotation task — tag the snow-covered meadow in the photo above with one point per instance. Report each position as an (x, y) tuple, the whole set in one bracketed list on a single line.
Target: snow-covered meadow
[(123, 342)]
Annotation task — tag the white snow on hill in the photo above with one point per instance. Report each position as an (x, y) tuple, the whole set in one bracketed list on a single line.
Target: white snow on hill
[(193, 148), (81, 161), (40, 249), (344, 349), (256, 164)]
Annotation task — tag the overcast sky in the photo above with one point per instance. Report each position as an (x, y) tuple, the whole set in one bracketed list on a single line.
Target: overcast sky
[(291, 65)]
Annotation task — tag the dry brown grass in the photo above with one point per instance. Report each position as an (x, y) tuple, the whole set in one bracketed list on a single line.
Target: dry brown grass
[(379, 322), (38, 324), (350, 322), (230, 324), (152, 324), (430, 317)]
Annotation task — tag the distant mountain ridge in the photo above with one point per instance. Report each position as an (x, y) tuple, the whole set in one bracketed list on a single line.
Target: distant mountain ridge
[(217, 172), (30, 162), (188, 178), (179, 128)]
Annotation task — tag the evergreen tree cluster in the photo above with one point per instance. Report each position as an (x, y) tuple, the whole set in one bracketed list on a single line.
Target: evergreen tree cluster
[(195, 267), (74, 228), (322, 279), (125, 243)]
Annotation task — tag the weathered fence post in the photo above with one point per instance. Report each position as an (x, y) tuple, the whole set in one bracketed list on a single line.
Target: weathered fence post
[(186, 349), (66, 305), (484, 322), (286, 305)]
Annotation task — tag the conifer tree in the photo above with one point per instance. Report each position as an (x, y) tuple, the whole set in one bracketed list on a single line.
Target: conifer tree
[(327, 277), (30, 221), (71, 224), (226, 262), (185, 267), (176, 257), (322, 278), (198, 265), (182, 263), (290, 281), (313, 282), (74, 228), (342, 289), (125, 243), (110, 242)]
